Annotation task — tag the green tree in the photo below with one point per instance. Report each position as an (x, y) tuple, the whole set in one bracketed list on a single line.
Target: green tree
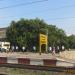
[(26, 33), (71, 41)]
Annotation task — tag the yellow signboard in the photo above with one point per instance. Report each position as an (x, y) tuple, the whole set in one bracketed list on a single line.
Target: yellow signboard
[(43, 39)]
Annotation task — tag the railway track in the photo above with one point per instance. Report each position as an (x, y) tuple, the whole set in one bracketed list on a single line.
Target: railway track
[(3, 74), (54, 65), (42, 68)]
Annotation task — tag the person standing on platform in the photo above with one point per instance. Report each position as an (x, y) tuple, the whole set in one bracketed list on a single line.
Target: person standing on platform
[(53, 52)]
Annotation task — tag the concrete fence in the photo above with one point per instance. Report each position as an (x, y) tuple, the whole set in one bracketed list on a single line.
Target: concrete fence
[(41, 62)]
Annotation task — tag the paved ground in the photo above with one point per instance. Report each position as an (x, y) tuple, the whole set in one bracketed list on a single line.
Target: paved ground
[(65, 55), (68, 54), (28, 55)]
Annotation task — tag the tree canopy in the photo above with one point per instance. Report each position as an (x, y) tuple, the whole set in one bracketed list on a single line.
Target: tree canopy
[(25, 32)]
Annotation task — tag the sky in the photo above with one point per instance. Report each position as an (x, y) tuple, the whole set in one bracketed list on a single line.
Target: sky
[(56, 12)]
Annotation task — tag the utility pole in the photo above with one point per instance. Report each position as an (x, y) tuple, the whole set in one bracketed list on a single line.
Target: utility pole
[(47, 41)]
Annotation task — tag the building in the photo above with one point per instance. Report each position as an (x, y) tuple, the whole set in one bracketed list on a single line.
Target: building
[(3, 43), (3, 34)]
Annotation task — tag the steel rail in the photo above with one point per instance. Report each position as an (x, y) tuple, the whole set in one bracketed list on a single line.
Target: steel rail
[(42, 68)]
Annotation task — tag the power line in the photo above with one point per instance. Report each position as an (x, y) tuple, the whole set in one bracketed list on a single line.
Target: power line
[(51, 19), (28, 3), (61, 18), (58, 8), (58, 19), (23, 4), (66, 6)]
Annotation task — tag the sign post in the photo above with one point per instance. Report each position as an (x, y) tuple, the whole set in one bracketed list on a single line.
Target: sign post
[(43, 40)]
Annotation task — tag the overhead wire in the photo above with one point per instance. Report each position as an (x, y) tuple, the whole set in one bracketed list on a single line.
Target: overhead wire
[(62, 18), (29, 3), (59, 18), (66, 6), (22, 4)]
